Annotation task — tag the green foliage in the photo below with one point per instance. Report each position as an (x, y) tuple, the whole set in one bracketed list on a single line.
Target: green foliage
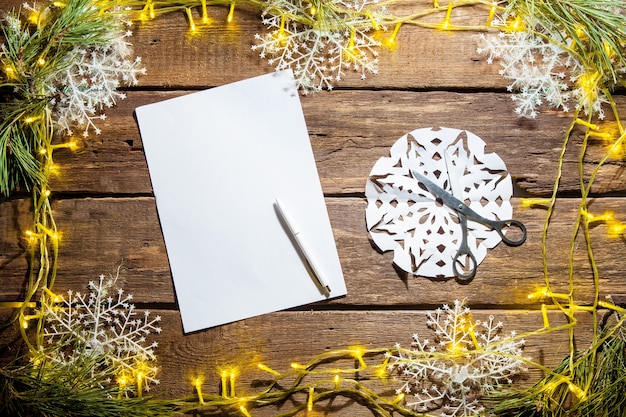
[(594, 29), (599, 372), (35, 51), (50, 390)]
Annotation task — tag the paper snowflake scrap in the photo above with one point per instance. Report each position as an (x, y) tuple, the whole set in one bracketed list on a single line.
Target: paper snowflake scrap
[(466, 359), (103, 324), (319, 54)]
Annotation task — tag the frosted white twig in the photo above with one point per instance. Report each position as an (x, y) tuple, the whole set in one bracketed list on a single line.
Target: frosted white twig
[(319, 54), (466, 359), (103, 324)]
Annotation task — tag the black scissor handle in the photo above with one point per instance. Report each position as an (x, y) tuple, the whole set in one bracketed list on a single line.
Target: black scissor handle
[(461, 273), (501, 224), (464, 249)]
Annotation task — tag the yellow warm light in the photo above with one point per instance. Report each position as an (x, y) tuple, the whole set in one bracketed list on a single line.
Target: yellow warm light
[(233, 375), (531, 202), (457, 348), (197, 384), (399, 398), (59, 4), (617, 229), (337, 380), (9, 71), (41, 61), (391, 41), (31, 119), (357, 352), (296, 365), (224, 383), (492, 14), (268, 369), (575, 389), (607, 216), (544, 315), (587, 124), (34, 17), (446, 21), (205, 13), (231, 12), (192, 23), (589, 84), (373, 21), (515, 25), (244, 411), (309, 404), (540, 293)]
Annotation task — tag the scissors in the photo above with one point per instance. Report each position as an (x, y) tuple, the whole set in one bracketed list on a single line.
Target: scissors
[(464, 211)]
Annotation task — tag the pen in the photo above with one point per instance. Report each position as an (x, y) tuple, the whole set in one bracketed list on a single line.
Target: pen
[(295, 232)]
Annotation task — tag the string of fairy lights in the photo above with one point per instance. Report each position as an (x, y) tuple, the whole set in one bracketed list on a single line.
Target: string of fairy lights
[(315, 382)]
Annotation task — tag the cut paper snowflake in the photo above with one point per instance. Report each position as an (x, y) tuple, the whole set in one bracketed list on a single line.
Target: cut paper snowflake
[(424, 234), (319, 53), (466, 359), (103, 324)]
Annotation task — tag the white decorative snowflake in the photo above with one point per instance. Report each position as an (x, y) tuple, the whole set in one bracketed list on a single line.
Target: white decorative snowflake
[(319, 54), (541, 72), (90, 84), (103, 324), (467, 359), (90, 75)]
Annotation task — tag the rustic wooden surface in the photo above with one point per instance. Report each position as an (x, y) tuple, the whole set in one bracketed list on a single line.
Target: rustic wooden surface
[(105, 209)]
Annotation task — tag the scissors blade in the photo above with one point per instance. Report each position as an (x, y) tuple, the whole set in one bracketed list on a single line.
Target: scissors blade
[(447, 198)]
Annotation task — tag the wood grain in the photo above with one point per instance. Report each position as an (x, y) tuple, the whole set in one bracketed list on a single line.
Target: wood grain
[(99, 234), (104, 206)]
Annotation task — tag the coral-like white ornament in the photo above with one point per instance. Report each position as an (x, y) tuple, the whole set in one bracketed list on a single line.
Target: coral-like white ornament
[(467, 359), (424, 234), (541, 72), (89, 77), (105, 325), (320, 53)]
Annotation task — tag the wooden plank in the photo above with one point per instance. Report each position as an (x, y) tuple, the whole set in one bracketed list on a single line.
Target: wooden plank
[(359, 130), (100, 234), (220, 53), (278, 339)]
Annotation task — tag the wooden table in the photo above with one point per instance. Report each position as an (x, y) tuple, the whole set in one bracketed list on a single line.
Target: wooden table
[(105, 209)]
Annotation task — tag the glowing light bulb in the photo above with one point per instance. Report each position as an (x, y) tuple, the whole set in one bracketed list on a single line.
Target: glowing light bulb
[(192, 23), (544, 315), (531, 202), (540, 293), (309, 404), (575, 389), (399, 398), (267, 369), (31, 119), (516, 25), (446, 21), (337, 380), (244, 411), (492, 13), (391, 41), (197, 383), (205, 13), (231, 12), (373, 21)]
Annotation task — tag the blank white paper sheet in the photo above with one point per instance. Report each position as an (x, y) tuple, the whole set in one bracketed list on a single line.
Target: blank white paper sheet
[(218, 159)]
